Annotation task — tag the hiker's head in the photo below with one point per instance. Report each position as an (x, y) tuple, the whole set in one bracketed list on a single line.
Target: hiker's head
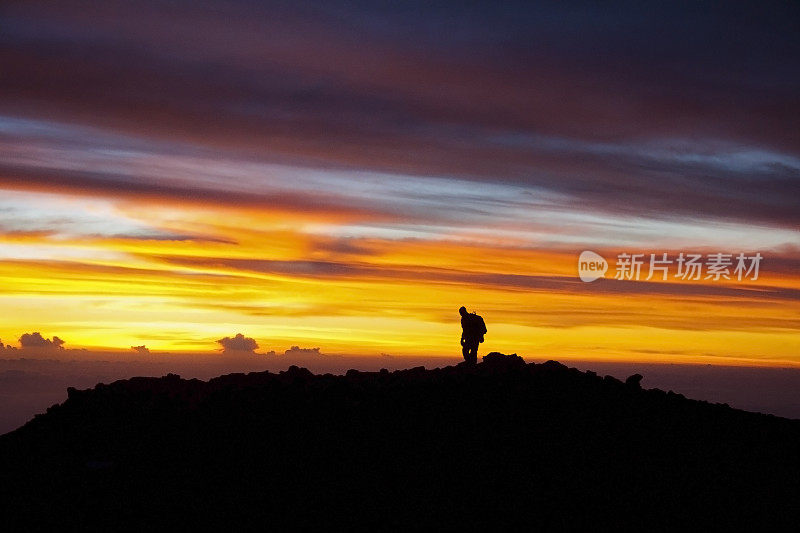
[(462, 310)]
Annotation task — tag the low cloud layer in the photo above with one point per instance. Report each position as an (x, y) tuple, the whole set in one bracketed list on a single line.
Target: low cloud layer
[(238, 343), (7, 348), (296, 352), (35, 340)]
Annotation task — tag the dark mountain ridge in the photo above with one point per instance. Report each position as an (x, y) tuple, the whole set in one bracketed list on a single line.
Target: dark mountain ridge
[(494, 445)]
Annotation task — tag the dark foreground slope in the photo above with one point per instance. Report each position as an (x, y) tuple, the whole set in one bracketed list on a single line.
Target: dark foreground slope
[(499, 444)]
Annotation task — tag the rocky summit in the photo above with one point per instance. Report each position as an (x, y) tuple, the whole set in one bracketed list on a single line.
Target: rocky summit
[(496, 445)]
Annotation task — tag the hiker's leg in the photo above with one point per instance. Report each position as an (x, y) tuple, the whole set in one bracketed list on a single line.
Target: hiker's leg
[(465, 351), (473, 352)]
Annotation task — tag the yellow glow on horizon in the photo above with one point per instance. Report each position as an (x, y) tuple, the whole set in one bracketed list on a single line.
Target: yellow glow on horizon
[(271, 276)]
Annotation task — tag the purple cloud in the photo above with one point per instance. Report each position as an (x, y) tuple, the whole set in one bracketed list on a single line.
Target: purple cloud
[(239, 343), (35, 340), (659, 111), (296, 351)]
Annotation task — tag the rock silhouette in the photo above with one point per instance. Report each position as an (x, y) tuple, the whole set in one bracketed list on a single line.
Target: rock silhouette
[(468, 447)]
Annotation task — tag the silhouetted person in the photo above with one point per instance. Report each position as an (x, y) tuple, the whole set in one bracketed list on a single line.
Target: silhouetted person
[(473, 328)]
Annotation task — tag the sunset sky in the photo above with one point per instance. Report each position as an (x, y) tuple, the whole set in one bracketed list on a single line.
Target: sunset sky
[(345, 175)]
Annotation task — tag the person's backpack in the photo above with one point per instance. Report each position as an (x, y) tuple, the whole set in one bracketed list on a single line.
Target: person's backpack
[(479, 326)]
